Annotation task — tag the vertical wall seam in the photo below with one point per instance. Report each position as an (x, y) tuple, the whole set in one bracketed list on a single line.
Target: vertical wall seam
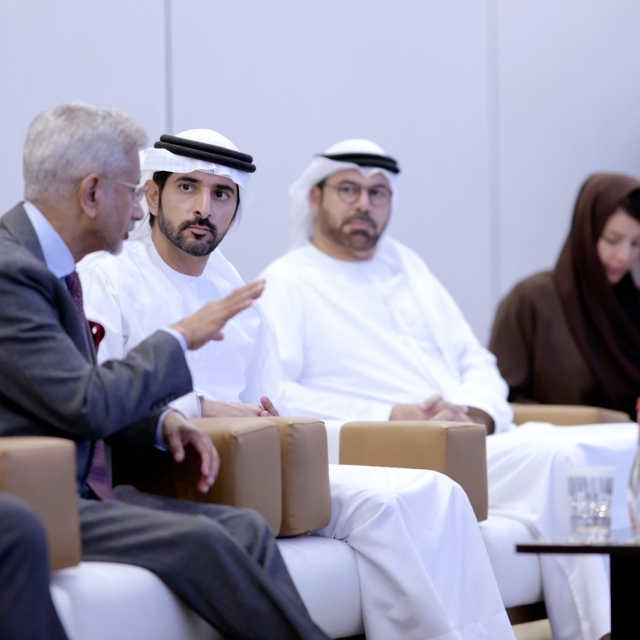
[(494, 176), (168, 68)]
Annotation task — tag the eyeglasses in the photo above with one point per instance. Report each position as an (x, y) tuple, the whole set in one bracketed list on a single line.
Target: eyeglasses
[(137, 193), (349, 192)]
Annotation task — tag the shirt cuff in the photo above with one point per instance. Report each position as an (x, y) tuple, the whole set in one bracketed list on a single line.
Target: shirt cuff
[(177, 335), (158, 441), (189, 405)]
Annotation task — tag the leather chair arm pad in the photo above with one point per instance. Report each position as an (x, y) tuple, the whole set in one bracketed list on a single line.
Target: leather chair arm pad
[(454, 448), (306, 495), (565, 414), (42, 471), (250, 468)]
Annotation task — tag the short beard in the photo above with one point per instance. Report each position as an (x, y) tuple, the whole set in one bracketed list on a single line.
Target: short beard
[(177, 236), (353, 240)]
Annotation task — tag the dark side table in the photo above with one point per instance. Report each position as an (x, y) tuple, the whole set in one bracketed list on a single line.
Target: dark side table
[(624, 554)]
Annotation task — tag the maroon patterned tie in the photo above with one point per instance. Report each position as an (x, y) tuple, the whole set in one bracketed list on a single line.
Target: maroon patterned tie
[(75, 289), (98, 478)]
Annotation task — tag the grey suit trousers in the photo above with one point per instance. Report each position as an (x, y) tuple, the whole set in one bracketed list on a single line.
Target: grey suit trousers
[(26, 607), (222, 561)]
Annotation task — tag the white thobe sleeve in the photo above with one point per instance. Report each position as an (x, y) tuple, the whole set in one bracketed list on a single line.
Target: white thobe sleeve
[(104, 303), (188, 405)]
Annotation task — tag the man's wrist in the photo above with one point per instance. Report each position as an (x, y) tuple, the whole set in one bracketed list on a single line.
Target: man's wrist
[(159, 442), (481, 417), (177, 335)]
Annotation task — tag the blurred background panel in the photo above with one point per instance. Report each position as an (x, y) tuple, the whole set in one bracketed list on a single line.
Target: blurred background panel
[(496, 111)]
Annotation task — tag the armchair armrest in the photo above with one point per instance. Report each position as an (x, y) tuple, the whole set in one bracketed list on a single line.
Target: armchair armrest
[(275, 465), (454, 448), (249, 476), (42, 471), (306, 495), (565, 414)]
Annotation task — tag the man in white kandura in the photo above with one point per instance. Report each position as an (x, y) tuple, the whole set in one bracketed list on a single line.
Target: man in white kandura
[(366, 332), (424, 571)]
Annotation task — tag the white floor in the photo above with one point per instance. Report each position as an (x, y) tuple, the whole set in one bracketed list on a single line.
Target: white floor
[(539, 630)]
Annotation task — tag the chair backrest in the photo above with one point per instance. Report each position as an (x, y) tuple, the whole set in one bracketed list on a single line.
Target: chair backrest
[(565, 414)]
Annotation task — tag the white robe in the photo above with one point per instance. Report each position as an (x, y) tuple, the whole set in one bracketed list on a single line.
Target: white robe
[(135, 293), (424, 572), (357, 338)]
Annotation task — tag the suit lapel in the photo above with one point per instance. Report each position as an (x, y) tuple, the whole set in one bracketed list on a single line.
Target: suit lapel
[(17, 224)]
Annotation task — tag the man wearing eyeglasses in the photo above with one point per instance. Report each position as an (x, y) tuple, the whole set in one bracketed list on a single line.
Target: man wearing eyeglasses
[(81, 168), (365, 330)]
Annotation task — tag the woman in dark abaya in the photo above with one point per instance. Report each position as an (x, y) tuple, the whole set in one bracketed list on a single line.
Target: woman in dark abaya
[(572, 335)]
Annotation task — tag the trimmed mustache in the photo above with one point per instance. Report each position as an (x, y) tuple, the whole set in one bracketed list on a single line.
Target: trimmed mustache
[(200, 222), (364, 217)]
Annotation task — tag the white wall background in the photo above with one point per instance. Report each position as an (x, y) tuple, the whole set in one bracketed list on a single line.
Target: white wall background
[(496, 110)]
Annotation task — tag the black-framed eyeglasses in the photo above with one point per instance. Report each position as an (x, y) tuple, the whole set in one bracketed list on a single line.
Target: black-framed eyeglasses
[(349, 192), (137, 193)]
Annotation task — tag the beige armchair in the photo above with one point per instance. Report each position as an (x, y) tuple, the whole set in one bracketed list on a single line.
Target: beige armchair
[(42, 471), (459, 451), (565, 414), (277, 466), (456, 449)]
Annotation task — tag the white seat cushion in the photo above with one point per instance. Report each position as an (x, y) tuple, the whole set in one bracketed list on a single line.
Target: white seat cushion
[(105, 601), (326, 575)]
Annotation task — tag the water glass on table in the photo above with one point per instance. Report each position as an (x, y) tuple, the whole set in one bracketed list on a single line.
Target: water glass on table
[(590, 495)]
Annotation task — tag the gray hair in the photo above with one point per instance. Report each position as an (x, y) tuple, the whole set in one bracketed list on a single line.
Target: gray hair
[(69, 141)]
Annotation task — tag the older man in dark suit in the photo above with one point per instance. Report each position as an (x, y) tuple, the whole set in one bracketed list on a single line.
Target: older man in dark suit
[(81, 172)]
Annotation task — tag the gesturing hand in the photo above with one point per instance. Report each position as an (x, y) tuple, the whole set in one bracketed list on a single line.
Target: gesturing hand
[(268, 407), (178, 433)]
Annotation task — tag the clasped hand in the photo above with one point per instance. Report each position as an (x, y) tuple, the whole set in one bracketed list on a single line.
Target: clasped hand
[(433, 408)]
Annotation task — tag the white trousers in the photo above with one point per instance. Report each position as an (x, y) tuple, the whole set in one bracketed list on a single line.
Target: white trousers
[(424, 570), (527, 481)]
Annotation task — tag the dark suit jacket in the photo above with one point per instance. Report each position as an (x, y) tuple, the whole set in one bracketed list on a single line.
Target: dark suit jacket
[(49, 382)]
